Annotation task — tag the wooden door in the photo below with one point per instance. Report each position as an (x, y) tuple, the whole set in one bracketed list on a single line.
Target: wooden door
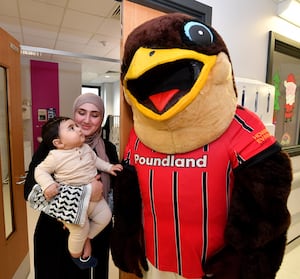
[(13, 218), (132, 16)]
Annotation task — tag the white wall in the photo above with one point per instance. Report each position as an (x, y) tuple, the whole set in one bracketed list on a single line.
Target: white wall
[(110, 93), (69, 86), (293, 201), (244, 26)]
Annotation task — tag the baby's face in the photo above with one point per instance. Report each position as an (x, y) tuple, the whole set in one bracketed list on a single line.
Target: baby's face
[(70, 134)]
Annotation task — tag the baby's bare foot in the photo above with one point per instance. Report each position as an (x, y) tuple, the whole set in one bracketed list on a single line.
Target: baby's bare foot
[(87, 249)]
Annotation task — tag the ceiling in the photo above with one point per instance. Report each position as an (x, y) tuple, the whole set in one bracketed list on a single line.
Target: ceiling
[(86, 32)]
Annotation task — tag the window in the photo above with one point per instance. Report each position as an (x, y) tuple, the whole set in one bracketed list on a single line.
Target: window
[(91, 89)]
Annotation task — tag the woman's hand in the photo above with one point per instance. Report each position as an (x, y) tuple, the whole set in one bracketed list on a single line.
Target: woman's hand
[(97, 189)]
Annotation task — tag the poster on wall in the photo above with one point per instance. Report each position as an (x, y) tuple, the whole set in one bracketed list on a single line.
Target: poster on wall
[(283, 71)]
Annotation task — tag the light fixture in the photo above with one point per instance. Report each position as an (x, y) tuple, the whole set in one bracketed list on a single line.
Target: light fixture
[(38, 51), (290, 11), (30, 52)]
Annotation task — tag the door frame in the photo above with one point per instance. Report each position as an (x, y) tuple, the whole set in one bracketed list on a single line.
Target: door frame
[(14, 249)]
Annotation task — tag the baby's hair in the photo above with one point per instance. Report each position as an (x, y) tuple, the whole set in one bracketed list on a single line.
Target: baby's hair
[(50, 130)]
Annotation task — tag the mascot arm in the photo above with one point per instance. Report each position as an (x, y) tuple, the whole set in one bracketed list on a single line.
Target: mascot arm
[(127, 239), (258, 221)]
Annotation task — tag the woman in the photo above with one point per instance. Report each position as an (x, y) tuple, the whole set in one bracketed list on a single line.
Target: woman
[(51, 256)]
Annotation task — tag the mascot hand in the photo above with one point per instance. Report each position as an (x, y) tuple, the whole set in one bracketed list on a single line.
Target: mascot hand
[(260, 263), (224, 265), (128, 253), (127, 238), (258, 219)]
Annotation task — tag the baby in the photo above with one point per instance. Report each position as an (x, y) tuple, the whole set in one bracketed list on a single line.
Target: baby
[(73, 162)]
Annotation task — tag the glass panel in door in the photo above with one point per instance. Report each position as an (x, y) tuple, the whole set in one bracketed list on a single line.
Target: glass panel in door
[(5, 156)]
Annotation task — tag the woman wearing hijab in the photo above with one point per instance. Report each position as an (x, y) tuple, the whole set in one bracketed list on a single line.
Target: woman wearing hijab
[(51, 256)]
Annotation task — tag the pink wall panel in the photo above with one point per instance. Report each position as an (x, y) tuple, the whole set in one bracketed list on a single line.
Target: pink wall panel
[(44, 93)]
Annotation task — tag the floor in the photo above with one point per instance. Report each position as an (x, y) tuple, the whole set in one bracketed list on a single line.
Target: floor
[(288, 270), (113, 271), (290, 265)]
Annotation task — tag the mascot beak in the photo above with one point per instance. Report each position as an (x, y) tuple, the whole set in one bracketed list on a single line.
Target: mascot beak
[(162, 82)]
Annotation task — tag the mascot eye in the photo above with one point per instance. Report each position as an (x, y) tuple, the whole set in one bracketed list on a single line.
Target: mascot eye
[(198, 33)]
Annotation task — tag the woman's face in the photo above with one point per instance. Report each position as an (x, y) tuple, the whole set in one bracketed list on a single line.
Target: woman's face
[(88, 118)]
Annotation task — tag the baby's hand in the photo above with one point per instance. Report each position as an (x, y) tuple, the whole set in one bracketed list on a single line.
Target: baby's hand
[(51, 191), (114, 168)]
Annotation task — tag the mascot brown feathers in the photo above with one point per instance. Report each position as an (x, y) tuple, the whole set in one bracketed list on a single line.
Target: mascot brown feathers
[(205, 186)]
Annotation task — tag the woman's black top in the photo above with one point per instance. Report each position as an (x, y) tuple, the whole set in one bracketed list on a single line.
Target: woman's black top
[(51, 256)]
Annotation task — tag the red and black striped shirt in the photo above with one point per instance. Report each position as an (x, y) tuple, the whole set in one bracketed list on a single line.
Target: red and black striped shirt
[(186, 196)]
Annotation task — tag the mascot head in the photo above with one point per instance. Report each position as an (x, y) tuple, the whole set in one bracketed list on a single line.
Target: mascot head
[(177, 78)]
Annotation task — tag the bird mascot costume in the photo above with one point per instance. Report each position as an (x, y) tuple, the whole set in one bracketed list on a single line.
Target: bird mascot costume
[(204, 189)]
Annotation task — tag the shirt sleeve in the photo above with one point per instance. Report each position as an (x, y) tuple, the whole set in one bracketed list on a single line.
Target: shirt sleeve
[(100, 164), (43, 172), (103, 165), (38, 156), (248, 137)]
